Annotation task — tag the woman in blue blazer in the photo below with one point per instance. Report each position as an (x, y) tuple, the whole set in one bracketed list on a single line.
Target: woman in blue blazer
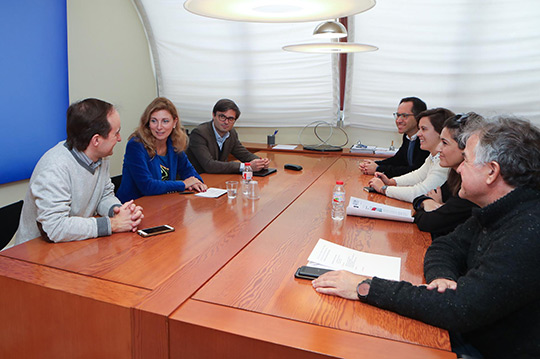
[(155, 162)]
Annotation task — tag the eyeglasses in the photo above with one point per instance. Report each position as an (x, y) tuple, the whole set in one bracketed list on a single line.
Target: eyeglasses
[(398, 115), (224, 118)]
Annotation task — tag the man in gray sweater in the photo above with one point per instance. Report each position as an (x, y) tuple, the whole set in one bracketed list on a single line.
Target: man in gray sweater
[(71, 185)]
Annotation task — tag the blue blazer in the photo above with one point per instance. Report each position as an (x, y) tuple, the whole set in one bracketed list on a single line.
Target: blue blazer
[(141, 175)]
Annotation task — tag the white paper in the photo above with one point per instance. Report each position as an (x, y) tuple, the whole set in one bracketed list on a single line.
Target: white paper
[(365, 208), (333, 256), (212, 193), (284, 147)]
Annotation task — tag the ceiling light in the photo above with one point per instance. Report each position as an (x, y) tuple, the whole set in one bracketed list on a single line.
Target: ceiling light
[(329, 48), (277, 10), (330, 30)]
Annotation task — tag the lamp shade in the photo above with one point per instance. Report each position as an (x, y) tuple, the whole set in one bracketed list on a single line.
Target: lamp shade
[(329, 48), (330, 30), (277, 10)]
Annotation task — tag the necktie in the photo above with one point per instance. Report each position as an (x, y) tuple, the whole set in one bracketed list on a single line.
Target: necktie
[(410, 152)]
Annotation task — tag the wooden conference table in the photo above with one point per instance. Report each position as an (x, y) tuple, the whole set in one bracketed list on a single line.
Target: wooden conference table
[(221, 285)]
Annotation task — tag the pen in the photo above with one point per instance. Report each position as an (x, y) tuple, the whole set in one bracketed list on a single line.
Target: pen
[(275, 132)]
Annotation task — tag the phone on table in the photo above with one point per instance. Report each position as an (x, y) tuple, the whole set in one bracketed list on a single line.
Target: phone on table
[(370, 189), (306, 272), (152, 231)]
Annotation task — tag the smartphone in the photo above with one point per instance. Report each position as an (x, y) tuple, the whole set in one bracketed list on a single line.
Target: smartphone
[(310, 273), (370, 189), (152, 231)]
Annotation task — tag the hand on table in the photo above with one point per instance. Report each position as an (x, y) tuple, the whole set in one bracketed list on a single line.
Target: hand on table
[(339, 283), (198, 187), (191, 181)]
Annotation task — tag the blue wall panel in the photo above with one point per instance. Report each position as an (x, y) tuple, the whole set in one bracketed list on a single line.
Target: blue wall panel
[(33, 83)]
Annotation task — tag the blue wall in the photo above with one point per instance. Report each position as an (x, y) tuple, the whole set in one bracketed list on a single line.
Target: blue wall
[(33, 83)]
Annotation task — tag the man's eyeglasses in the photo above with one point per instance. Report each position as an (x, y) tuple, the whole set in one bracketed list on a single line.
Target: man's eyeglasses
[(224, 118), (398, 115)]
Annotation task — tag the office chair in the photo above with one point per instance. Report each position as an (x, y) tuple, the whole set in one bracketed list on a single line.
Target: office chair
[(9, 222), (116, 180)]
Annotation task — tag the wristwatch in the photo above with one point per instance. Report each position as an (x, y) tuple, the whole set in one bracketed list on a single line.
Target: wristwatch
[(383, 188), (361, 290)]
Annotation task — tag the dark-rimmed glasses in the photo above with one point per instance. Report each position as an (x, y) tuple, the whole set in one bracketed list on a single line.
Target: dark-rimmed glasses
[(224, 118)]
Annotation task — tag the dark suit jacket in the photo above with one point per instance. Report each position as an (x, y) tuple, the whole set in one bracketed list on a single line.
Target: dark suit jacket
[(398, 164), (203, 151)]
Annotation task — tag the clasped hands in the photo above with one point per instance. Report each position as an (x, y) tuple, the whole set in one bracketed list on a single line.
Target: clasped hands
[(368, 167), (259, 164), (127, 217)]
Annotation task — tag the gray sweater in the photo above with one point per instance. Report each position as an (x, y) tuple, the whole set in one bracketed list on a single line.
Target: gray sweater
[(63, 196)]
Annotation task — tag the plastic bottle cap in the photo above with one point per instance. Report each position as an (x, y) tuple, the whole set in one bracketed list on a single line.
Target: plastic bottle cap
[(339, 182)]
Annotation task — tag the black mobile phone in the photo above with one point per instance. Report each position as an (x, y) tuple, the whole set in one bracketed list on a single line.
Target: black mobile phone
[(152, 231), (370, 189), (310, 273)]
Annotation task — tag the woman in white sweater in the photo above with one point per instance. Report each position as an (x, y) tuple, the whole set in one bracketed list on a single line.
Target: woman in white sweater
[(431, 175)]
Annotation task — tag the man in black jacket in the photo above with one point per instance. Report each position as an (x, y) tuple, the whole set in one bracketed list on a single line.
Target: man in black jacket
[(409, 156), (485, 272)]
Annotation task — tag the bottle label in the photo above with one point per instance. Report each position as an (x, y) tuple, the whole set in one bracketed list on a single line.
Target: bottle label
[(247, 176), (339, 197)]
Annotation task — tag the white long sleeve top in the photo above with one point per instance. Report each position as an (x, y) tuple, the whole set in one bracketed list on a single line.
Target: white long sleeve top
[(413, 184)]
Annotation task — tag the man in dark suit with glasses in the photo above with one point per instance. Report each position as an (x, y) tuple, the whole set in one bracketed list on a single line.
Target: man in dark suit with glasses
[(211, 143)]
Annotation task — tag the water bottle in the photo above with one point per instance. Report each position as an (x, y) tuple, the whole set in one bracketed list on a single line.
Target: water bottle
[(338, 201), (247, 175)]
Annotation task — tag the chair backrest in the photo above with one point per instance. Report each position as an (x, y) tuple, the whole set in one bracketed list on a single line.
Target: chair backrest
[(9, 222), (116, 180)]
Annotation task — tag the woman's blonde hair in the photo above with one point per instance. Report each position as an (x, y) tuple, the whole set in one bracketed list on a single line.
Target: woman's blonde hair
[(144, 135)]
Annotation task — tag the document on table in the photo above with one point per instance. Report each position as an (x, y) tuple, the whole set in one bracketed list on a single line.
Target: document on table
[(365, 208), (212, 193), (284, 147), (333, 256)]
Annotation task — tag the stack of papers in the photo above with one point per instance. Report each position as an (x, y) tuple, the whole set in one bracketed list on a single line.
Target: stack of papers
[(364, 208), (332, 256)]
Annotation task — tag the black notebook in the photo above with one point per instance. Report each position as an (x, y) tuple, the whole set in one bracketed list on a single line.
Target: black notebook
[(264, 172)]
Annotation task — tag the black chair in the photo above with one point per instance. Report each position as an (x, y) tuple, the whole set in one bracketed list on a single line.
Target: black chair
[(9, 222), (116, 180)]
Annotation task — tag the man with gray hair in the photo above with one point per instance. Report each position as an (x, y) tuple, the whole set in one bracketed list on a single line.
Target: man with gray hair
[(484, 282)]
